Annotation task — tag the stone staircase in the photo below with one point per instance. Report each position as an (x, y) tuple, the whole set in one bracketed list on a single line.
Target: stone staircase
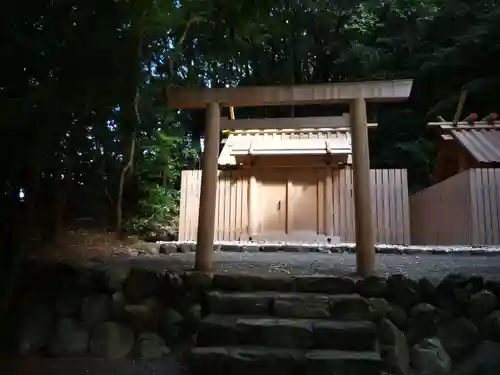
[(285, 326)]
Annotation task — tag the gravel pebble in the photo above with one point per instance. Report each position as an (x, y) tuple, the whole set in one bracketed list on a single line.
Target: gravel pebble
[(432, 266)]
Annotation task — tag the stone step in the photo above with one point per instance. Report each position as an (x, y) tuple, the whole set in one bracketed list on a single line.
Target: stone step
[(290, 305), (221, 330), (311, 284), (279, 361)]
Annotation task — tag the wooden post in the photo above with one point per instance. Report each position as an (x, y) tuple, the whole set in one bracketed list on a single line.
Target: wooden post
[(208, 192), (250, 202), (365, 244)]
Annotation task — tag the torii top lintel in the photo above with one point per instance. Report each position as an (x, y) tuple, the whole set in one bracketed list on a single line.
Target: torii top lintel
[(254, 96)]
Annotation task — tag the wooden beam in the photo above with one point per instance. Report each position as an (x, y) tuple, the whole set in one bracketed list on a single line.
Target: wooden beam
[(464, 125), (460, 106), (286, 123), (365, 241), (208, 192), (300, 130), (343, 92)]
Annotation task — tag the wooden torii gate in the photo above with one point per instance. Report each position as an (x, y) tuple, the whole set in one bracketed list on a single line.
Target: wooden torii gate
[(356, 94)]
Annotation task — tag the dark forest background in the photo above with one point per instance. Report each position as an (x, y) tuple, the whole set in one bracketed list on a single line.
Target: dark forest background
[(85, 132)]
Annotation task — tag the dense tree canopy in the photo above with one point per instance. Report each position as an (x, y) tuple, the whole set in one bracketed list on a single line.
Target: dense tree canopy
[(86, 133)]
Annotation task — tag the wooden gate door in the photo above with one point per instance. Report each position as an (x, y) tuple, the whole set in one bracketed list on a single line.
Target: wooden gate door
[(270, 203), (304, 219)]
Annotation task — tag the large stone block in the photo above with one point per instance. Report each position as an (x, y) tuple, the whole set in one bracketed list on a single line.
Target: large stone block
[(249, 283), (350, 307), (324, 284), (217, 330), (265, 361), (69, 339), (111, 340), (275, 332), (342, 362), (213, 360), (141, 284), (340, 335), (305, 305), (239, 303)]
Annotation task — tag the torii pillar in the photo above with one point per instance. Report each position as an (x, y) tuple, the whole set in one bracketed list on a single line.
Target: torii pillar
[(208, 192), (365, 242)]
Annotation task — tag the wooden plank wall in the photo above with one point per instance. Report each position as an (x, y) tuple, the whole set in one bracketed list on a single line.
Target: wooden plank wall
[(389, 205), (485, 205), (231, 219), (463, 209), (389, 200)]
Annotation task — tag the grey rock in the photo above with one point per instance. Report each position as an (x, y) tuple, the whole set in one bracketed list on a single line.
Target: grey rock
[(325, 284), (217, 330), (67, 304), (342, 362), (170, 325), (302, 306), (248, 283), (430, 358), (490, 326), (372, 286), (361, 335), (173, 282), (397, 315), (452, 295), (294, 248), (143, 316), (233, 248), (398, 354), (116, 275), (95, 309), (168, 248), (379, 308), (485, 360), (250, 248), (152, 248), (458, 336), (70, 339), (216, 359), (117, 305), (141, 284), (427, 290), (482, 304), (424, 322), (35, 328), (350, 307), (186, 247), (199, 281), (402, 291), (150, 346), (111, 340), (285, 333), (264, 361), (271, 248)]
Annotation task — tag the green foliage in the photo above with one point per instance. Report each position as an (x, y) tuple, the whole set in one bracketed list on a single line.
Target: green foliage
[(162, 157)]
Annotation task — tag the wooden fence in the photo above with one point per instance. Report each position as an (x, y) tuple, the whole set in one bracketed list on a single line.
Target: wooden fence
[(463, 209), (331, 203)]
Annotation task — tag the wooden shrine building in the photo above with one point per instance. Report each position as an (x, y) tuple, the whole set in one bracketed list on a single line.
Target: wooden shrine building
[(284, 178), (463, 205)]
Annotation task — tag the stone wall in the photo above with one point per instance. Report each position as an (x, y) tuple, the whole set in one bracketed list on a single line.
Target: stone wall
[(117, 312), (107, 312)]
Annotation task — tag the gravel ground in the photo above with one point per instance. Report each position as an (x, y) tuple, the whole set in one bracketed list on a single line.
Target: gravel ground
[(432, 266)]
